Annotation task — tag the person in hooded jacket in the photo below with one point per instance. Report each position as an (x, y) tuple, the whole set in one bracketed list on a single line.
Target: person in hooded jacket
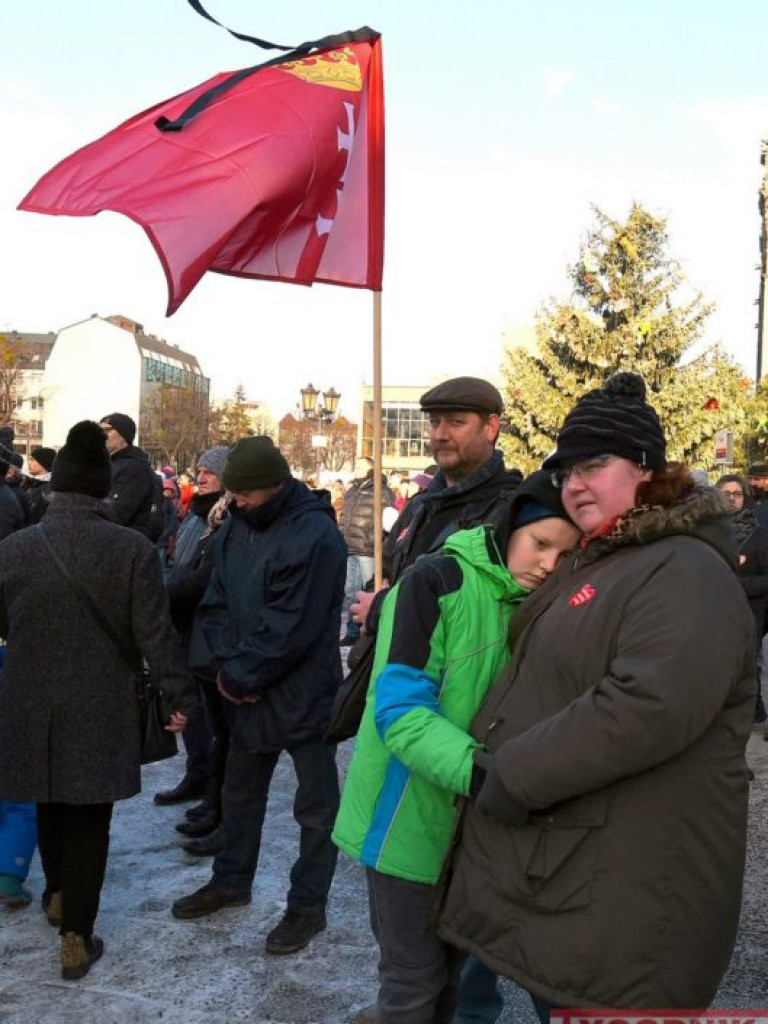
[(601, 862), (69, 716), (752, 567), (267, 628), (441, 642)]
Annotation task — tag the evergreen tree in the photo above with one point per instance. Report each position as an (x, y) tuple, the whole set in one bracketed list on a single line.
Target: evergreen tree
[(625, 313)]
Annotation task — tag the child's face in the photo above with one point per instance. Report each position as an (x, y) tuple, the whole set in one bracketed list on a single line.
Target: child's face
[(534, 550)]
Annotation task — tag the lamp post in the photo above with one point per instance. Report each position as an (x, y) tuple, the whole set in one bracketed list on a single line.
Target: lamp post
[(321, 412)]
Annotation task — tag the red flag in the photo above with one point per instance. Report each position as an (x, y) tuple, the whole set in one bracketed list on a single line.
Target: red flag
[(280, 176)]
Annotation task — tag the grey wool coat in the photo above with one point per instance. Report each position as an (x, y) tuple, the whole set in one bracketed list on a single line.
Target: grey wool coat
[(68, 711), (602, 863)]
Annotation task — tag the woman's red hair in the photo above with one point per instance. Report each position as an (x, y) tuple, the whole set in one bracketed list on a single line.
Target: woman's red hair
[(667, 486)]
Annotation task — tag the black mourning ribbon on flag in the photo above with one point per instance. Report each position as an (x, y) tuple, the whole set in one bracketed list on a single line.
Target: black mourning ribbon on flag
[(204, 100)]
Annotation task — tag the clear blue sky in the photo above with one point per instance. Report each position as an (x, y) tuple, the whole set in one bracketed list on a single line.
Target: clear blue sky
[(505, 120)]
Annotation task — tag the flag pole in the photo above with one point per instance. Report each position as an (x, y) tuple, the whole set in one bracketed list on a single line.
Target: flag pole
[(377, 468)]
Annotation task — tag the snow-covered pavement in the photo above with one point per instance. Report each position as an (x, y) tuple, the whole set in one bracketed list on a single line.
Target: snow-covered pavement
[(215, 970)]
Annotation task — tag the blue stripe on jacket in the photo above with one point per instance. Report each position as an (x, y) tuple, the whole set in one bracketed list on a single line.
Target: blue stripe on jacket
[(396, 782), (400, 689)]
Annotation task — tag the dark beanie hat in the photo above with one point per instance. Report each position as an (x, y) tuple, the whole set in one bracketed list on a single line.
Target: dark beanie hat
[(44, 456), (254, 463), (612, 420), (123, 424), (534, 499), (470, 393), (758, 469), (82, 466)]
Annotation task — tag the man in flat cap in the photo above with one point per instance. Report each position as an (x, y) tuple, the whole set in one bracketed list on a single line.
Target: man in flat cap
[(136, 493), (464, 417)]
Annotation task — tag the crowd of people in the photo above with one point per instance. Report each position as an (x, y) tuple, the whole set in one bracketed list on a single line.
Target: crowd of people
[(565, 676)]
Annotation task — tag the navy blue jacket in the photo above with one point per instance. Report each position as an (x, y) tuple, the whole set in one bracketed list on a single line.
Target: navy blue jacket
[(269, 620)]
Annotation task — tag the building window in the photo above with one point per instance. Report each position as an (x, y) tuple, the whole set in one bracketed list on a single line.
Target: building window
[(405, 431), (33, 403)]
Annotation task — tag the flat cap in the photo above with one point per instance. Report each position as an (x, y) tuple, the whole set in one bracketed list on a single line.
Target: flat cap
[(470, 393)]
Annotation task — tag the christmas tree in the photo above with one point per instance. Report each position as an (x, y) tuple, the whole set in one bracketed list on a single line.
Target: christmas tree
[(628, 311)]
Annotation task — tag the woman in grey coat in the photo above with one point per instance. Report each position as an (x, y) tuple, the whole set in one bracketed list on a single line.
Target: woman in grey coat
[(601, 861), (69, 727)]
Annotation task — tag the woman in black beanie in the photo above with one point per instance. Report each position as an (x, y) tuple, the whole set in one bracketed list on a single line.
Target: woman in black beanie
[(69, 735), (601, 863)]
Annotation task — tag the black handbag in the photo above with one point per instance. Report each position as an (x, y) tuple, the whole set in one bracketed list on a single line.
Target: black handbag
[(349, 702), (156, 743)]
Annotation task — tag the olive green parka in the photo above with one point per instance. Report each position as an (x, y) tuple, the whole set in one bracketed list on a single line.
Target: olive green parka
[(618, 735)]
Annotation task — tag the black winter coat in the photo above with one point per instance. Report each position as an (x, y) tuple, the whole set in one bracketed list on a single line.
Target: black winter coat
[(12, 516), (431, 516), (358, 526), (753, 575), (69, 727), (269, 620), (133, 490)]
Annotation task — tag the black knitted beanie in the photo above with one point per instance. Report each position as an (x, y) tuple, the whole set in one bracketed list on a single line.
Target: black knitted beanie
[(82, 466), (615, 419)]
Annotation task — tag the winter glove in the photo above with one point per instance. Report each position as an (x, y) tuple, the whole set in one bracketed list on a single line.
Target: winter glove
[(490, 794)]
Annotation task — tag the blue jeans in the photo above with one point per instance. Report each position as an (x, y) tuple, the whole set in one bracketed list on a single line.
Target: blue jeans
[(244, 804), (480, 1001), (360, 569)]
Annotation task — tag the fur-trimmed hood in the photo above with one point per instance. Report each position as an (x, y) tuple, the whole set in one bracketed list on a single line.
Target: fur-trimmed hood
[(705, 513)]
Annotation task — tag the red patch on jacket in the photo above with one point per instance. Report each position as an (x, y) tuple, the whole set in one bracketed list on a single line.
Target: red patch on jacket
[(586, 593)]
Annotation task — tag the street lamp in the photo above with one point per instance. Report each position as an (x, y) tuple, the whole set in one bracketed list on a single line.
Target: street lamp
[(321, 412)]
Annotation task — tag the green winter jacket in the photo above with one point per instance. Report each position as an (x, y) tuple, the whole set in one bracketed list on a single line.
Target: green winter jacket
[(441, 643)]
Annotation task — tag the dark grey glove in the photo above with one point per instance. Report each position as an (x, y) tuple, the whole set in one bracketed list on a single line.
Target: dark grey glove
[(491, 796)]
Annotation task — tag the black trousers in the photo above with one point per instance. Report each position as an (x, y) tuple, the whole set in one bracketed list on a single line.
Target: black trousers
[(218, 727), (74, 843)]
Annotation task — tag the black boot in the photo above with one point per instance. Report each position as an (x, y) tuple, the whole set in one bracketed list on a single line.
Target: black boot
[(208, 846), (295, 929), (199, 810), (197, 827), (206, 901), (187, 789)]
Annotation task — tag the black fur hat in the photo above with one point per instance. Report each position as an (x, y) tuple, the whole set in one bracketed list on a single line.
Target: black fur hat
[(82, 466)]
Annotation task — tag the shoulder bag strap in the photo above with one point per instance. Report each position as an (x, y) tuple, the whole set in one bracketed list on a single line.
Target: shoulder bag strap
[(128, 655)]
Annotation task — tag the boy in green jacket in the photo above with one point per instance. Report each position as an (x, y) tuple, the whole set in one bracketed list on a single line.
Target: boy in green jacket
[(440, 646)]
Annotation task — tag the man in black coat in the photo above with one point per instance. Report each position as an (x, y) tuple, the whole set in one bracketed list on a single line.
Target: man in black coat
[(268, 627), (36, 486), (465, 418), (136, 494)]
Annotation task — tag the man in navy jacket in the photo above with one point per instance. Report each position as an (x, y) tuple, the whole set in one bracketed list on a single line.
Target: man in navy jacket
[(268, 627)]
